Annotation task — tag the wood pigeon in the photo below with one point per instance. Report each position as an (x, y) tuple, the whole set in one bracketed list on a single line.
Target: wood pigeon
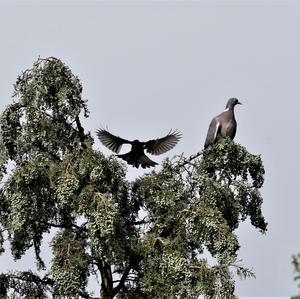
[(136, 155), (224, 124)]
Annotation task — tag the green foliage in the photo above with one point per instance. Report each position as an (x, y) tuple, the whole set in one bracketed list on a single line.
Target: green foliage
[(150, 235), (233, 173), (296, 265), (69, 264), (194, 206), (24, 285)]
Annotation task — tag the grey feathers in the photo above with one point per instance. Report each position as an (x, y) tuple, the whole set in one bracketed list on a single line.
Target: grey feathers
[(223, 125), (212, 133)]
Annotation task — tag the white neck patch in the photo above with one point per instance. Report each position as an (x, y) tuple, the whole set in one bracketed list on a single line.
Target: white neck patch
[(227, 109)]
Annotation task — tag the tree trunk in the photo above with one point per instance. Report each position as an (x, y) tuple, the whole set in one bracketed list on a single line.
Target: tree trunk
[(106, 281)]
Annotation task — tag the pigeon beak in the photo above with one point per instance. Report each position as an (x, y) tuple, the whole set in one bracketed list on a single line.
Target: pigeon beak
[(239, 103)]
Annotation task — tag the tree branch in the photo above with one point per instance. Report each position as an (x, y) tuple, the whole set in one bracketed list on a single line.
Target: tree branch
[(73, 225), (32, 278), (122, 281), (188, 160), (80, 132), (243, 272), (142, 221)]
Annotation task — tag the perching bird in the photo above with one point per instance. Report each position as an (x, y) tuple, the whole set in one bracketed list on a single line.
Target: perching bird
[(224, 124), (136, 155)]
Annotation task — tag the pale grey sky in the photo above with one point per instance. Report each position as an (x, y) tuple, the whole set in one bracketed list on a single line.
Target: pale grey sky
[(147, 67)]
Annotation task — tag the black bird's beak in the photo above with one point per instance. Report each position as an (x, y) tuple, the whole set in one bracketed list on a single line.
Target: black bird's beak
[(239, 103)]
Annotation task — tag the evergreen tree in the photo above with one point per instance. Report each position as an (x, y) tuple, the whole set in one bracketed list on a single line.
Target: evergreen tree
[(146, 238), (296, 264)]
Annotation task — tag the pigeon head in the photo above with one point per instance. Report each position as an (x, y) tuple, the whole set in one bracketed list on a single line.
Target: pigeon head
[(231, 103)]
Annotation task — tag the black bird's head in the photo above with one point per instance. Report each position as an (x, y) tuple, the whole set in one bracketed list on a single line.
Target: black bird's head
[(136, 144), (231, 103)]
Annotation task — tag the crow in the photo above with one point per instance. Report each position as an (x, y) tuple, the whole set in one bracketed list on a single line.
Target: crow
[(136, 155)]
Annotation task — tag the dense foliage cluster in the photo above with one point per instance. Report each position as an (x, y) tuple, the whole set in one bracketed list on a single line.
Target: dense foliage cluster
[(147, 239), (193, 206)]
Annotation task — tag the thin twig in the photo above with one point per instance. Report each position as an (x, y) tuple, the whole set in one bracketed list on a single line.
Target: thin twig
[(188, 160)]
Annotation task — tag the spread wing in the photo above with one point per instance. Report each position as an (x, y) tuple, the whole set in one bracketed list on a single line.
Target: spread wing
[(161, 145), (114, 143)]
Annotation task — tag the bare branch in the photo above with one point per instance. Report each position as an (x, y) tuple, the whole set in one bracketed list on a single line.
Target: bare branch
[(243, 272), (122, 281), (73, 225), (189, 159)]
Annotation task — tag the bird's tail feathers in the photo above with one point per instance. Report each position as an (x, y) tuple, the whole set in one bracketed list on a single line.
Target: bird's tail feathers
[(146, 162), (143, 160)]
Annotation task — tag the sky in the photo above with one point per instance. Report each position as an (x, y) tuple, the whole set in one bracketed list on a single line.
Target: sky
[(150, 66)]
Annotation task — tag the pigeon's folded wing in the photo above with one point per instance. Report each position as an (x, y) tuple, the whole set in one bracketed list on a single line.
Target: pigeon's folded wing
[(161, 145), (212, 133), (114, 143)]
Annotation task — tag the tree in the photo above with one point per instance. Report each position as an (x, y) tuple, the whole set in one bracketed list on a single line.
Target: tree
[(296, 264), (145, 238)]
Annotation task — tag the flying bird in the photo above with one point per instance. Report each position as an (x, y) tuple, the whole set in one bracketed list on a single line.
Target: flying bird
[(224, 124), (136, 156)]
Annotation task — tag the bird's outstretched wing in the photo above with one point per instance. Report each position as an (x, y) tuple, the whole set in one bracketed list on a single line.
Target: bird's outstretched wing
[(114, 143), (161, 145)]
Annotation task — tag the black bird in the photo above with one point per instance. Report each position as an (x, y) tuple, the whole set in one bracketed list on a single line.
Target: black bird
[(136, 155), (224, 124)]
